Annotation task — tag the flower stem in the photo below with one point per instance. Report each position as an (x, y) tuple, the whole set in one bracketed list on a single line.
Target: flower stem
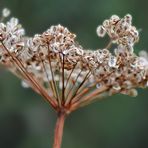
[(59, 130)]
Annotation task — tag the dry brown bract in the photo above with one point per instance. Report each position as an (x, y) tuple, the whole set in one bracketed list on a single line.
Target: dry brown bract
[(66, 75)]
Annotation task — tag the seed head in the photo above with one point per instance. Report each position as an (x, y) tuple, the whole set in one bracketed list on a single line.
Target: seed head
[(68, 76)]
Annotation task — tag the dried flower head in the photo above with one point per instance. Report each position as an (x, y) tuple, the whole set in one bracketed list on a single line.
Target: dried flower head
[(54, 65), (120, 30)]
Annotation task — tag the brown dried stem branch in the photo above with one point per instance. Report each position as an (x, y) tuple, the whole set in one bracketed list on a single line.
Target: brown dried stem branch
[(59, 130)]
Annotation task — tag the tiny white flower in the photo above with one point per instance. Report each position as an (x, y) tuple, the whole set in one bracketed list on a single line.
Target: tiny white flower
[(25, 84), (116, 87), (112, 62), (101, 31), (6, 12), (98, 85), (132, 92), (12, 23)]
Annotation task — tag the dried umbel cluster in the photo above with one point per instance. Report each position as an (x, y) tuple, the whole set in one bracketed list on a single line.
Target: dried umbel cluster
[(67, 75), (120, 31)]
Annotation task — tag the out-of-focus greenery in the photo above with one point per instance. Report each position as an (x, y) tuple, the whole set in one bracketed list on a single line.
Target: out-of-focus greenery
[(26, 121)]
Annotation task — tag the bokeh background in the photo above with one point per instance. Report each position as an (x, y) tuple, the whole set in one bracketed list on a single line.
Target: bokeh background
[(26, 121)]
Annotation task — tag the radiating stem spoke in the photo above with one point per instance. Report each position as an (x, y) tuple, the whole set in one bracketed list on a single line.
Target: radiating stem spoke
[(30, 78)]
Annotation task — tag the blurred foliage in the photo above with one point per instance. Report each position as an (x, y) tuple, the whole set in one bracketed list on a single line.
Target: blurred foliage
[(26, 121)]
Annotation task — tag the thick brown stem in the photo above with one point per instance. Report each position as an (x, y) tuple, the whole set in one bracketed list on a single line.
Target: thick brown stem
[(59, 130)]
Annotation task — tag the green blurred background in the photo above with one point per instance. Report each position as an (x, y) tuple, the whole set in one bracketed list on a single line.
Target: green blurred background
[(26, 121)]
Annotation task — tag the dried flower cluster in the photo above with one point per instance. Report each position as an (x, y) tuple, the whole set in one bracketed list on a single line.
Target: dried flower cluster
[(67, 75)]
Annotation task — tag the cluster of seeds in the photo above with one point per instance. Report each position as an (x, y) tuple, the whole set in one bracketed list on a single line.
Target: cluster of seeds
[(65, 74), (120, 31)]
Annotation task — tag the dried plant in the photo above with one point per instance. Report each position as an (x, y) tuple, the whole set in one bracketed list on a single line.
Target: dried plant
[(66, 75)]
